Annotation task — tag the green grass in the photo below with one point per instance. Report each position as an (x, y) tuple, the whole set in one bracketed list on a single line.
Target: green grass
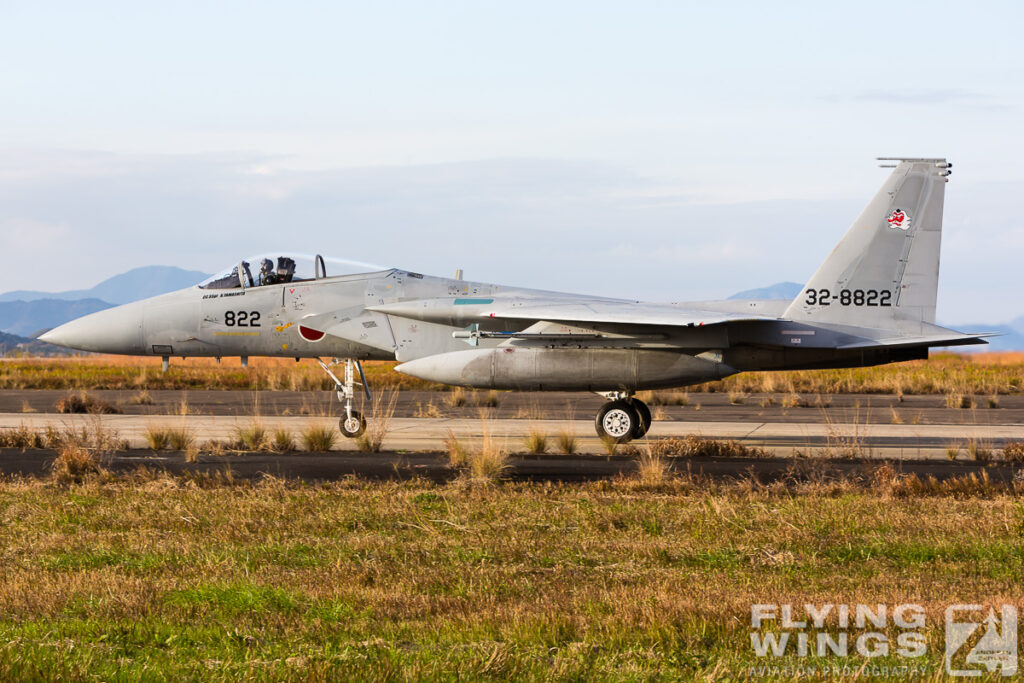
[(154, 577)]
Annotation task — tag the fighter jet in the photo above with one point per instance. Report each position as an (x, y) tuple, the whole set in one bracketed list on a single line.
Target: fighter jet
[(871, 302)]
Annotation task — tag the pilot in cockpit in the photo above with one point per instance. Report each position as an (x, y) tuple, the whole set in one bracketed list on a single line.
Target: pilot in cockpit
[(268, 276)]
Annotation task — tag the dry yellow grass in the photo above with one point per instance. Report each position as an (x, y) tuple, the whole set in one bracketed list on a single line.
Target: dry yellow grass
[(382, 410), (181, 438), (458, 455), (988, 374), (22, 437), (252, 436), (282, 441), (566, 441), (457, 398), (536, 441), (489, 400), (143, 373), (427, 410), (157, 437), (489, 462), (75, 462), (1013, 451), (318, 438), (83, 402), (691, 446), (652, 469)]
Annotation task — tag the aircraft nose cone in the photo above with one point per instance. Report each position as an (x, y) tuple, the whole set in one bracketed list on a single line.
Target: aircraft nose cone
[(115, 330)]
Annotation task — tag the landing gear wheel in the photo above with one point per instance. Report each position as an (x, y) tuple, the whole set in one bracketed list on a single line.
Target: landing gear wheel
[(617, 420), (353, 426), (645, 418)]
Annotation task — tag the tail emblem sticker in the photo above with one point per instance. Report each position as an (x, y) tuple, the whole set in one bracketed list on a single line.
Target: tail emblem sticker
[(899, 220)]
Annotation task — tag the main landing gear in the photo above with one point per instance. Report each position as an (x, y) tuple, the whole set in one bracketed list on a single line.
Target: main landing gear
[(352, 423), (623, 418)]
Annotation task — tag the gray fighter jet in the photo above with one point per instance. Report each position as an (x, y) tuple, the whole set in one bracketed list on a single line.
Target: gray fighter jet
[(871, 302)]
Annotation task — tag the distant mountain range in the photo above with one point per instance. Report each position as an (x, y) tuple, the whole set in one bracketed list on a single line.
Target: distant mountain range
[(138, 283), (29, 318), (780, 290), (1011, 335), (25, 314)]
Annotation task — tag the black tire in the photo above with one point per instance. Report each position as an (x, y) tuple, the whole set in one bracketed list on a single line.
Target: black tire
[(351, 428), (644, 424), (617, 420)]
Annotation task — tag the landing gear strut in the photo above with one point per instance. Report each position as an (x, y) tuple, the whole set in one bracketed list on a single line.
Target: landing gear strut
[(623, 418), (352, 424)]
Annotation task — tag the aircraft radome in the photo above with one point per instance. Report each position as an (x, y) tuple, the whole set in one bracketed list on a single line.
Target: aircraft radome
[(871, 302)]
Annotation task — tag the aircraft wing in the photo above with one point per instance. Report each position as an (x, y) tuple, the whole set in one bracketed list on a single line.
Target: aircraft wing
[(466, 311)]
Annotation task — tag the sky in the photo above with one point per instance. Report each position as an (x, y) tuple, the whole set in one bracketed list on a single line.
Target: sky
[(656, 150)]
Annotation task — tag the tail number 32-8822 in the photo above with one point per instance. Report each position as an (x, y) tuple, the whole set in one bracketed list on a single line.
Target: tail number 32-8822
[(849, 297), (242, 318)]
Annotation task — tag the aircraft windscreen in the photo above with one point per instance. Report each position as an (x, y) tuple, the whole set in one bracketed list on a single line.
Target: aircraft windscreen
[(273, 269)]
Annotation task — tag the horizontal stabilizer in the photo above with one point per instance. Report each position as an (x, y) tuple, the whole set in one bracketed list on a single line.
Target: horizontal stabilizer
[(950, 339)]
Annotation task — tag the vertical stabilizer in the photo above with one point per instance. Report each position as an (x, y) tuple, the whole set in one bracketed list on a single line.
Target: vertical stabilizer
[(884, 273)]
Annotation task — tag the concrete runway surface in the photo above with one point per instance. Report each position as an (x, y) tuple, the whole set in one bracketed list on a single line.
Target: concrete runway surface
[(410, 435)]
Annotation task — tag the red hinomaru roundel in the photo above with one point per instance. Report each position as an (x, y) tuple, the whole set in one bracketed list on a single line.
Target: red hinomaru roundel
[(899, 219), (309, 334)]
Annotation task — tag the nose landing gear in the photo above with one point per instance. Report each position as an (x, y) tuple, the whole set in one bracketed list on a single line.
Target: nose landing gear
[(352, 424), (623, 418)]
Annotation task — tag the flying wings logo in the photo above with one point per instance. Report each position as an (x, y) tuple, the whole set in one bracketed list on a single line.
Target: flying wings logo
[(996, 648), (899, 220)]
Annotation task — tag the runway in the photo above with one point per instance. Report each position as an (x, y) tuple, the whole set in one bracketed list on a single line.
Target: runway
[(412, 435)]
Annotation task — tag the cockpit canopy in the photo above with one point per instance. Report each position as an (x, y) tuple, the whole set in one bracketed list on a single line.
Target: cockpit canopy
[(276, 269)]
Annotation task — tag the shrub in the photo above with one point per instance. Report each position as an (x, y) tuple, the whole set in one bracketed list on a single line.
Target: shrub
[(979, 451), (74, 463), (611, 446), (491, 400), (536, 441), (381, 412), (158, 438), (283, 442), (957, 400), (181, 439), (83, 402), (695, 446), (651, 467), (489, 462), (252, 437), (1013, 452), (457, 455), (317, 438), (21, 437), (566, 441), (456, 397)]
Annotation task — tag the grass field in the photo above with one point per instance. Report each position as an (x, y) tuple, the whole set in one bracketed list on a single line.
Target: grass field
[(950, 374), (155, 577)]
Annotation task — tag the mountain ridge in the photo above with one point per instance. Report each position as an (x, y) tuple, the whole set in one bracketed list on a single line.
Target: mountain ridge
[(132, 285), (780, 290)]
